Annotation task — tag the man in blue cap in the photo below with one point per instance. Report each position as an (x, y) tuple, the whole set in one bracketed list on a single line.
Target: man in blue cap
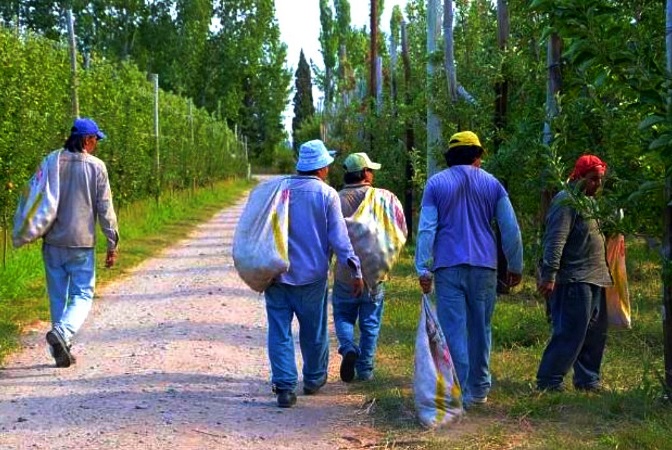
[(316, 229), (68, 247)]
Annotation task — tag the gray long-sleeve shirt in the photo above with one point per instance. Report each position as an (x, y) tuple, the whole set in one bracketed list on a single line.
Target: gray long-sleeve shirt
[(573, 247), (84, 199)]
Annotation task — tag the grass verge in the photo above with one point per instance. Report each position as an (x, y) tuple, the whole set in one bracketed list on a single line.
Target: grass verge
[(145, 228), (628, 415)]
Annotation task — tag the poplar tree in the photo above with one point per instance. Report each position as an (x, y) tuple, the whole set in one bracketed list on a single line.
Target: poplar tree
[(303, 98)]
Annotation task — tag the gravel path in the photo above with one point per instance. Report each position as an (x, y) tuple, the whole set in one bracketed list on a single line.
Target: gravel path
[(172, 356)]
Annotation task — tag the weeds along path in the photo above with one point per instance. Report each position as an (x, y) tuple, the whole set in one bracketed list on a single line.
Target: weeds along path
[(172, 356)]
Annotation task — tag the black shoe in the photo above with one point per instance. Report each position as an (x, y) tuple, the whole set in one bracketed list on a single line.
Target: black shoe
[(61, 350), (286, 399), (348, 366), (313, 390), (555, 388), (596, 388)]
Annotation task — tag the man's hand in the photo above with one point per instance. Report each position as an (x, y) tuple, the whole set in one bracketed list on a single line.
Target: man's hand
[(513, 279), (545, 288), (425, 284), (357, 286), (111, 258)]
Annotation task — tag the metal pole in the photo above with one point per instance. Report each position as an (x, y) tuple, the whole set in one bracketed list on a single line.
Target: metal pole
[(155, 79), (73, 65)]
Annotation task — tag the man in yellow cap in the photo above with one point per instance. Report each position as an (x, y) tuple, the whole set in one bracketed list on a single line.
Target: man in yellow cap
[(456, 249)]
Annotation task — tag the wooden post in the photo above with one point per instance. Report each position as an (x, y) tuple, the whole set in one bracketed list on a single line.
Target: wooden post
[(155, 80), (433, 124), (73, 65), (410, 135)]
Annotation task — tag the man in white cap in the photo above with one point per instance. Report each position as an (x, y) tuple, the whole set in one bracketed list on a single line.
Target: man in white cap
[(366, 308), (316, 229)]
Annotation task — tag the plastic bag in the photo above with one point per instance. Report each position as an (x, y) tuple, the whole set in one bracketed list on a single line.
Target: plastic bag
[(618, 295), (377, 231), (260, 242), (38, 203), (438, 397)]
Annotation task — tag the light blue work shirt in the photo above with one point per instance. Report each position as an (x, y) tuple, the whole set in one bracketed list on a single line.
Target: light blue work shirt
[(459, 206), (316, 228)]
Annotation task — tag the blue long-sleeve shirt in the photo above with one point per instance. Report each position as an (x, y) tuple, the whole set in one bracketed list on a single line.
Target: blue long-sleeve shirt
[(316, 227), (458, 207)]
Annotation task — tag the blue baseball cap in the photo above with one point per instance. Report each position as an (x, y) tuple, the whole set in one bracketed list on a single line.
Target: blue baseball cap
[(86, 127), (314, 155)]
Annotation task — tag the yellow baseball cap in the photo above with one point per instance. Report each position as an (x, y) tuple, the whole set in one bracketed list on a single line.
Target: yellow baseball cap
[(464, 139)]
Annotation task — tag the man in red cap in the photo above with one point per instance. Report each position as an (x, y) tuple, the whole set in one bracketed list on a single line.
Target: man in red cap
[(574, 274)]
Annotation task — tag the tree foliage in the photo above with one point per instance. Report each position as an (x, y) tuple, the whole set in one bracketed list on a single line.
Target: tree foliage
[(304, 108)]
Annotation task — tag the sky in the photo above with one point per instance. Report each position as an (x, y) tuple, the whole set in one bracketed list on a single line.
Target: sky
[(299, 22)]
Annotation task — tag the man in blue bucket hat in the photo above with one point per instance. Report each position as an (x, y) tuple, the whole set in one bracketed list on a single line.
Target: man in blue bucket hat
[(316, 229), (68, 247)]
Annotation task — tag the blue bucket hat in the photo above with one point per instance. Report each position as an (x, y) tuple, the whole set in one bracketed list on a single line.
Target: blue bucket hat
[(86, 127), (314, 155)]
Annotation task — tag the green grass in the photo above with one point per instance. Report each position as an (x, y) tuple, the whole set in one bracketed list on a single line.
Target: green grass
[(145, 228), (629, 415)]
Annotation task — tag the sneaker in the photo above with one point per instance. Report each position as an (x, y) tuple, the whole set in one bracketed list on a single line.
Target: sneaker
[(348, 366), (364, 376), (60, 349), (479, 400), (286, 399), (312, 390)]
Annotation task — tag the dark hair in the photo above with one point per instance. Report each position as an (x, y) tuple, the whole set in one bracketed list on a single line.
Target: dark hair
[(354, 177), (464, 155), (308, 173), (74, 143)]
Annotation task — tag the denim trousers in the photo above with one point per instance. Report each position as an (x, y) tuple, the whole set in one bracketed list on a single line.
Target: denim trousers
[(579, 318), (367, 310), (71, 280), (309, 304), (465, 301)]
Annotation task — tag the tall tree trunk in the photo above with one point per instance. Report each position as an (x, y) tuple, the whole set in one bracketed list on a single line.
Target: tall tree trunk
[(373, 90), (502, 86), (449, 53), (410, 135), (553, 88), (433, 124)]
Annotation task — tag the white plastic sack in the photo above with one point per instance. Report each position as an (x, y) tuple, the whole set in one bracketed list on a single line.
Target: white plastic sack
[(438, 397), (377, 231), (260, 242), (38, 203)]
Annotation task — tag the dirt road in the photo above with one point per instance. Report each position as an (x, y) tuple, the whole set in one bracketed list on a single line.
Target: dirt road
[(172, 356)]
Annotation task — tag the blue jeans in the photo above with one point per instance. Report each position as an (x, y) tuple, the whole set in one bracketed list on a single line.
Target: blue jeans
[(71, 279), (465, 301), (309, 304), (368, 310), (579, 318)]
